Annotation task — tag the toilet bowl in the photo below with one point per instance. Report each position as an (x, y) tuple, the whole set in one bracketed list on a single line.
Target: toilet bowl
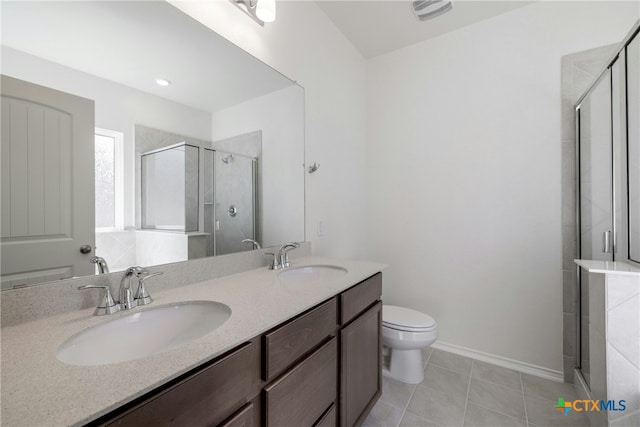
[(405, 332)]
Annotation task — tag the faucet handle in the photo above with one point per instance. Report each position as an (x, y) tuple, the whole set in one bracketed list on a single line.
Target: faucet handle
[(138, 271), (106, 305), (283, 254), (142, 296), (274, 263)]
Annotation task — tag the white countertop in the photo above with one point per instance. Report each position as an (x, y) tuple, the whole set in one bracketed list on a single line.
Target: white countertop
[(39, 390), (608, 267)]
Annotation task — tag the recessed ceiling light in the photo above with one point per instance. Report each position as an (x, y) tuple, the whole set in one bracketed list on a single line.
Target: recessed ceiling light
[(163, 82)]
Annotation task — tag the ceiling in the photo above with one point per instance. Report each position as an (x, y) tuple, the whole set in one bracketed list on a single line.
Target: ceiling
[(378, 27), (135, 42)]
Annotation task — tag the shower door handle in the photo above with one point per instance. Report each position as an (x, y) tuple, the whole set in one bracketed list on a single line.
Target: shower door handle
[(606, 242)]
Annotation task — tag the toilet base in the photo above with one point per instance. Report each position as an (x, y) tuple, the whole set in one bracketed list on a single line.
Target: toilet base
[(405, 366)]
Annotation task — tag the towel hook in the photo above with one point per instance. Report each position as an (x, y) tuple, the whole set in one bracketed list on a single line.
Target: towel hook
[(314, 167)]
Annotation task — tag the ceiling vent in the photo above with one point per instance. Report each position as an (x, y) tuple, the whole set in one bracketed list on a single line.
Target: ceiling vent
[(427, 9)]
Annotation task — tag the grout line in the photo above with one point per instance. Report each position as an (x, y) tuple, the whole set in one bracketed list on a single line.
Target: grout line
[(479, 405), (466, 400), (406, 406), (428, 358), (621, 302), (524, 402)]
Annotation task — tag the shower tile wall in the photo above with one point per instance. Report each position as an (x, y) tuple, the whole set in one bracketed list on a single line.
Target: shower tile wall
[(579, 71), (147, 139), (118, 248)]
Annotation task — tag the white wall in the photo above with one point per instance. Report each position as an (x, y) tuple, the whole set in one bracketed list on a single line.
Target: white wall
[(305, 45), (463, 162), (280, 117)]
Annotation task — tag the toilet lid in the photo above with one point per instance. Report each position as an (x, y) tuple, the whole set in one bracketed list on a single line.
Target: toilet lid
[(406, 318)]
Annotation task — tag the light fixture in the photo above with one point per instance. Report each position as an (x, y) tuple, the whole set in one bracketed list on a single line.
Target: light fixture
[(266, 10), (427, 9), (260, 11), (163, 82)]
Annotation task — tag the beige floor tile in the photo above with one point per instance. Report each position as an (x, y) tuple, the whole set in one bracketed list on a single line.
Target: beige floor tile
[(547, 389), (496, 374), (436, 406), (453, 362), (449, 382), (412, 420), (396, 393), (383, 415), (501, 399), (477, 416)]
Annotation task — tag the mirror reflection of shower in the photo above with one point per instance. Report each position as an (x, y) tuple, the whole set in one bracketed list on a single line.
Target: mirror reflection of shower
[(172, 201), (230, 192), (170, 188)]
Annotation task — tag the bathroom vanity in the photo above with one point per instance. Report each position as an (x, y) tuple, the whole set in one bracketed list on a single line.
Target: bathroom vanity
[(302, 351)]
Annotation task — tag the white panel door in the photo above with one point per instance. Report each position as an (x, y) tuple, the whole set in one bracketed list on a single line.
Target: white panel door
[(47, 184)]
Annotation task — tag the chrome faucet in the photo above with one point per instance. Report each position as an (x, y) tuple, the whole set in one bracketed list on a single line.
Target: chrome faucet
[(255, 244), (283, 254), (103, 268), (127, 299)]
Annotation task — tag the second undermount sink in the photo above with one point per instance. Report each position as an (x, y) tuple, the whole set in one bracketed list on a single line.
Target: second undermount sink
[(143, 333), (307, 273)]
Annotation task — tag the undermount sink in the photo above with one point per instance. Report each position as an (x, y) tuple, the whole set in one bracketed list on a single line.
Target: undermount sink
[(308, 273), (143, 333)]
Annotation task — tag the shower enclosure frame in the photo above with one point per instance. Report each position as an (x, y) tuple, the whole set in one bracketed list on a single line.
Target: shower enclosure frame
[(608, 71), (143, 208)]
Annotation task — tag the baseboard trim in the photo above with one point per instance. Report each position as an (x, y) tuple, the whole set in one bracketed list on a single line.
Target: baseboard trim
[(505, 362)]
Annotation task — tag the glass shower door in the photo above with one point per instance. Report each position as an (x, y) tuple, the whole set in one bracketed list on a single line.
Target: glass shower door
[(596, 173), (234, 181), (595, 186)]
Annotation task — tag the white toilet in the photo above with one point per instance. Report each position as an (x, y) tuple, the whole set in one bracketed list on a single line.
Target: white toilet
[(406, 332)]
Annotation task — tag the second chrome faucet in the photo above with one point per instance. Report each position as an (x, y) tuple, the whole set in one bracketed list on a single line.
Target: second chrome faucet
[(281, 259)]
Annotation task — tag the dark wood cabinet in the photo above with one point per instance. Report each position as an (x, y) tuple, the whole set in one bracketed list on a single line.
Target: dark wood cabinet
[(287, 343), (328, 419), (245, 417), (361, 366), (360, 297), (321, 368), (302, 395), (204, 398)]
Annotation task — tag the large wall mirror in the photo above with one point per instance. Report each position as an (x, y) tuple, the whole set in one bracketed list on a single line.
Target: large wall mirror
[(133, 133)]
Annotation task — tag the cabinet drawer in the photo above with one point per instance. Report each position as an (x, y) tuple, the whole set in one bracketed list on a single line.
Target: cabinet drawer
[(302, 395), (328, 418), (288, 343), (205, 398), (360, 297), (244, 418)]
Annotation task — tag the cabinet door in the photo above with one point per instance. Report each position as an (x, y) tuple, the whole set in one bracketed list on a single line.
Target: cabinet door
[(361, 377)]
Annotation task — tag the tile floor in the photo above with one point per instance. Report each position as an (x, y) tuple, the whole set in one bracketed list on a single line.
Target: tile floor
[(458, 391)]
